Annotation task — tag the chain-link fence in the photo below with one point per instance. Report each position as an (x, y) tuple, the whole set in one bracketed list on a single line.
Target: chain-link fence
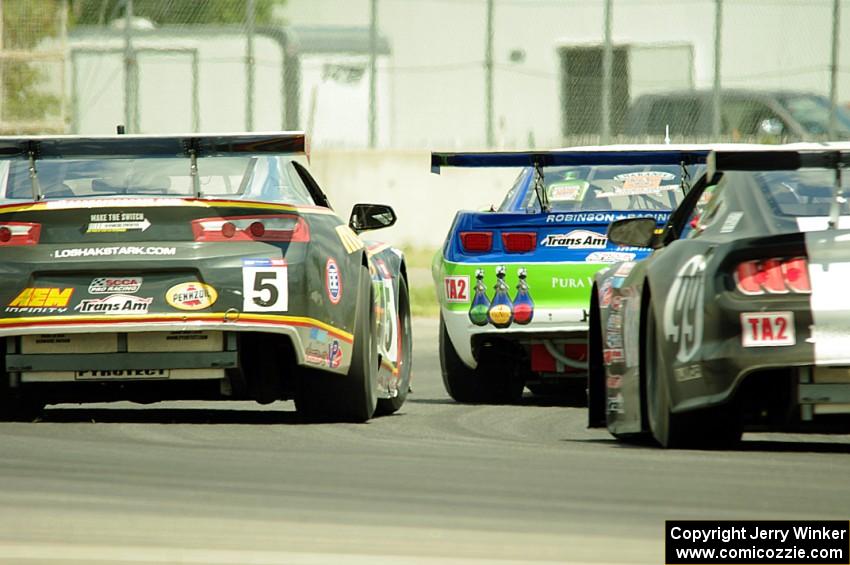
[(430, 73)]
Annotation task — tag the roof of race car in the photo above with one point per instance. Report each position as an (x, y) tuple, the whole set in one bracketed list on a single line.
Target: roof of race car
[(207, 144)]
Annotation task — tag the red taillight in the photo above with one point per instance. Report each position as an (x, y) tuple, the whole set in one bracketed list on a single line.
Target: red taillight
[(476, 241), (282, 227), (773, 276), (519, 242), (19, 233)]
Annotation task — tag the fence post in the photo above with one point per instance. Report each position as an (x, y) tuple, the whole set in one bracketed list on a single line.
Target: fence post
[(249, 66), (715, 94), (607, 70), (373, 64), (130, 103), (488, 77), (833, 70)]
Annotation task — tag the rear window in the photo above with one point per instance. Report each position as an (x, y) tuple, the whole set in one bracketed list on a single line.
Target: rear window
[(807, 192), (267, 178), (650, 187)]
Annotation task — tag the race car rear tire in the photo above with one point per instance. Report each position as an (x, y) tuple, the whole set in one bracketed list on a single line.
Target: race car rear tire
[(329, 397), (388, 406), (708, 428), (496, 380)]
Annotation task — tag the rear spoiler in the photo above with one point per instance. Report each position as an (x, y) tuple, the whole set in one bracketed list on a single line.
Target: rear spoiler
[(567, 158), (835, 158), (777, 160), (119, 146), (39, 147)]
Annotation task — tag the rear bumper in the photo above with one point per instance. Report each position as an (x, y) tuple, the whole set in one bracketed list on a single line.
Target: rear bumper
[(310, 339), (547, 323)]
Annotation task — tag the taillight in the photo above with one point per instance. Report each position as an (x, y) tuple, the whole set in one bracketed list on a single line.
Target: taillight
[(19, 233), (773, 276), (476, 241), (519, 242), (283, 227)]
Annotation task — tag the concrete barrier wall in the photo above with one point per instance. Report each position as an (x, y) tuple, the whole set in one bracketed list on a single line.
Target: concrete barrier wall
[(424, 202)]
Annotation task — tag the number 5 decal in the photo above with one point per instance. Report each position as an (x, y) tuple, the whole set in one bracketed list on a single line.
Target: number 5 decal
[(264, 289)]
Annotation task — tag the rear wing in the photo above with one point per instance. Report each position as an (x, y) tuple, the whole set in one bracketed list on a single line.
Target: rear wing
[(60, 146), (540, 159), (836, 157), (778, 159), (566, 158), (191, 146)]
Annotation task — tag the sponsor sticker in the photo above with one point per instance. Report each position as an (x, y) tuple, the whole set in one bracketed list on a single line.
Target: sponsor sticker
[(191, 296), (349, 239), (318, 335), (117, 222), (731, 222), (614, 381), (615, 403), (115, 304), (41, 300), (609, 257), (115, 251), (315, 356), (115, 285), (602, 217), (605, 293), (767, 329), (457, 288), (333, 281), (568, 191), (688, 372), (641, 180), (561, 282), (624, 269), (134, 374), (576, 239), (611, 356), (265, 285), (334, 355)]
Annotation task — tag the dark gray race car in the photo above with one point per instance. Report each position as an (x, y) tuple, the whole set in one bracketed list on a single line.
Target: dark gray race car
[(741, 317), (192, 267)]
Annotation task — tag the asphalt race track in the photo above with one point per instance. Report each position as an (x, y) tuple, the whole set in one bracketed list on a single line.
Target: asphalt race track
[(438, 483)]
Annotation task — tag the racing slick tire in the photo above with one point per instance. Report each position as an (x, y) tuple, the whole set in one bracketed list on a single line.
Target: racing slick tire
[(388, 406), (493, 382), (708, 428), (327, 397)]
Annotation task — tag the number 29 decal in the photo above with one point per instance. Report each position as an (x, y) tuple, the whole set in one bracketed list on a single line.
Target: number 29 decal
[(264, 285)]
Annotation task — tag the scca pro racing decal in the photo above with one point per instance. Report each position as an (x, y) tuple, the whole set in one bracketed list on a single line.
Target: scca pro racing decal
[(191, 296), (265, 286), (333, 281), (683, 311), (116, 304), (115, 285), (576, 239)]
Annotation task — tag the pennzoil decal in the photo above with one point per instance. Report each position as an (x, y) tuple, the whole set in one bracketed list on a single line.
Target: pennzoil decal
[(41, 300), (191, 296), (349, 239), (333, 281), (115, 304)]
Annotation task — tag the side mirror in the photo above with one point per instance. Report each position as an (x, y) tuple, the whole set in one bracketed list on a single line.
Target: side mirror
[(633, 232), (366, 217)]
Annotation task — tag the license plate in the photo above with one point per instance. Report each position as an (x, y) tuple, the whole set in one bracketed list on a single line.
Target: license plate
[(767, 329)]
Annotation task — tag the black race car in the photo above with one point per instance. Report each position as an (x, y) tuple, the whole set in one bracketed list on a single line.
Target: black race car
[(740, 319), (151, 268)]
